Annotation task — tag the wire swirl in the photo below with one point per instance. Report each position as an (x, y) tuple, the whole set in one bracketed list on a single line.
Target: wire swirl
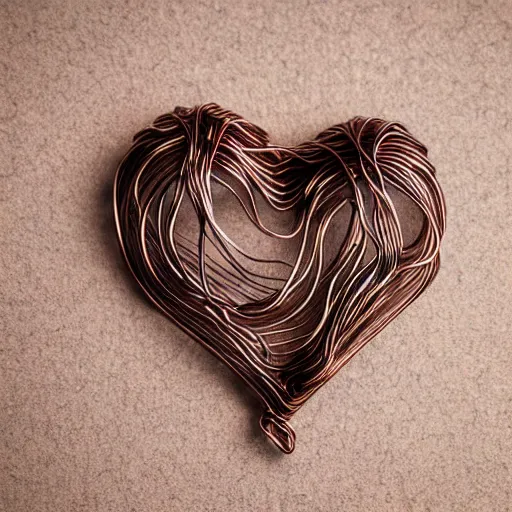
[(286, 327)]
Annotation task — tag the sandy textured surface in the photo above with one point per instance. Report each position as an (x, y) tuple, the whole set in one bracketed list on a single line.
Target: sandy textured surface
[(104, 404)]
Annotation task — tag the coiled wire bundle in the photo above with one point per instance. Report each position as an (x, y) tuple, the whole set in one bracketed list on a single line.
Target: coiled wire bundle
[(286, 326)]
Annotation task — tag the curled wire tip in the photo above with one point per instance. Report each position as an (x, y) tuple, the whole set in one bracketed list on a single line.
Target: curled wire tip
[(278, 430)]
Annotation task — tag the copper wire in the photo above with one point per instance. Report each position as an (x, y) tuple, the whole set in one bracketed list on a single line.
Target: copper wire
[(287, 333)]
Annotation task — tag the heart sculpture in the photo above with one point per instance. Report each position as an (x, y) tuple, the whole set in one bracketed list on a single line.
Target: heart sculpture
[(285, 327)]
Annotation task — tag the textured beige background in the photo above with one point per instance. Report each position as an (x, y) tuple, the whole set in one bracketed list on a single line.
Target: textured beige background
[(104, 404)]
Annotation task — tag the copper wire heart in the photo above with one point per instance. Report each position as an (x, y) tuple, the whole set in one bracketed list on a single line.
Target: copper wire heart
[(288, 330)]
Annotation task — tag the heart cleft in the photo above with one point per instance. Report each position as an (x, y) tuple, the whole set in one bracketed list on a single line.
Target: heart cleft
[(282, 261)]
